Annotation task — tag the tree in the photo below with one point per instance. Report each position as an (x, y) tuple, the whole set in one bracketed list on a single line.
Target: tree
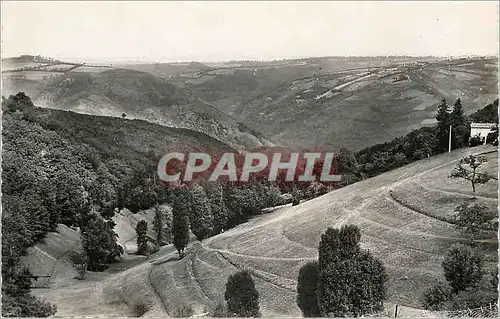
[(142, 237), (488, 114), (241, 295), (158, 225), (351, 280), (474, 292), (459, 126), (469, 171), (218, 207), (124, 115), (242, 202), (463, 268), (352, 287), (338, 244), (437, 297), (180, 221), (272, 195), (200, 217), (307, 290), (99, 243), (473, 218)]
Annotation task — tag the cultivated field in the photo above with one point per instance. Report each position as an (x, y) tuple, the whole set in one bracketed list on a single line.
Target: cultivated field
[(400, 215), (325, 102)]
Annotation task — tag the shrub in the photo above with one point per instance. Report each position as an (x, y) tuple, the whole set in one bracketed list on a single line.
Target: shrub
[(316, 189), (307, 290), (241, 295), (152, 249), (26, 305), (436, 297), (296, 197), (463, 268), (473, 218), (475, 141), (183, 311), (473, 298), (79, 260), (140, 309)]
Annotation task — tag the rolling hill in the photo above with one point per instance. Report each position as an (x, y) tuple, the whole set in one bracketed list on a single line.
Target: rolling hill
[(327, 102), (399, 214), (351, 107), (136, 95)]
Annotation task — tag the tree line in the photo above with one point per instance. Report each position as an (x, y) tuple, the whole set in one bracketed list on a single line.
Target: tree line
[(426, 141)]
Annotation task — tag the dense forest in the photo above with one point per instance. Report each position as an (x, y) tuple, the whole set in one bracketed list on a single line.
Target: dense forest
[(78, 170)]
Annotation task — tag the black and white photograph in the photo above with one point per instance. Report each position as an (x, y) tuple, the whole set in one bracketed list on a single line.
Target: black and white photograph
[(249, 159)]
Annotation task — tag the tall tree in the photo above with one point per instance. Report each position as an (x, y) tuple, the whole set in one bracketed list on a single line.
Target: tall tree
[(180, 220), (99, 242), (200, 217), (459, 126), (351, 280), (142, 238), (307, 290), (241, 295), (158, 225), (218, 207)]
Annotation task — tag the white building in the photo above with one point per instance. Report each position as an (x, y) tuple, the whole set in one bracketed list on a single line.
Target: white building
[(481, 130)]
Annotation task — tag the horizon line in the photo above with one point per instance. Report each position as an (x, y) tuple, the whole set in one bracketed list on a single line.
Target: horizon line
[(165, 60)]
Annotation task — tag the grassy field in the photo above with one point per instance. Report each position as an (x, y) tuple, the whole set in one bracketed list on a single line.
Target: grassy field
[(334, 97), (273, 246)]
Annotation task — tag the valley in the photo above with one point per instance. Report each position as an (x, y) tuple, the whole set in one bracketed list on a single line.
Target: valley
[(274, 246)]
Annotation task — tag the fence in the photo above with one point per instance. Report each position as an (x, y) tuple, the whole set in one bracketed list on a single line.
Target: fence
[(484, 312), (490, 311)]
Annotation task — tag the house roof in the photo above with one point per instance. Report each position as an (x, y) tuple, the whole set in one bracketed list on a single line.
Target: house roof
[(482, 125)]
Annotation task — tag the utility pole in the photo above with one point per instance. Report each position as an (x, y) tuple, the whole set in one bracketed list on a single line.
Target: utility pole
[(449, 142)]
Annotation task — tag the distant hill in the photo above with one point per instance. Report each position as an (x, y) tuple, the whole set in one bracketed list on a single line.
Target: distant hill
[(343, 102), (119, 138), (326, 102), (135, 95)]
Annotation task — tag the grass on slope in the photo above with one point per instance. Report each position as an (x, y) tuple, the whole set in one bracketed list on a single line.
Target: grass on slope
[(138, 95), (275, 245), (411, 245), (122, 138)]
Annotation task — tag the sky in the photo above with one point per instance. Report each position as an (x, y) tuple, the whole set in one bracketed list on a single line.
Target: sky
[(223, 31)]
